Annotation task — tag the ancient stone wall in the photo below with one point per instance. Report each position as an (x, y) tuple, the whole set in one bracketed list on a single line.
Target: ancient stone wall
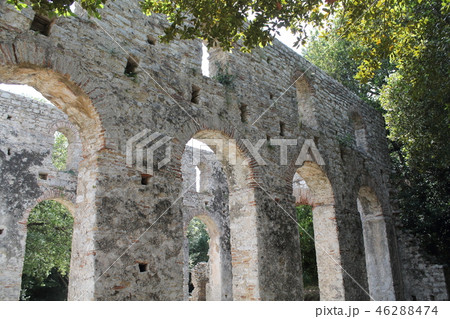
[(114, 79), (27, 129)]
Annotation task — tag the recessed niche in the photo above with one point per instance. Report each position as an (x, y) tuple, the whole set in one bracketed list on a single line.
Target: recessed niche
[(43, 176), (282, 128), (143, 267), (244, 113), (41, 24), (195, 96), (132, 65), (151, 40), (145, 179)]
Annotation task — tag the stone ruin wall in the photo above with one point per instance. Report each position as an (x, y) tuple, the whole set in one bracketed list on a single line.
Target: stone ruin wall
[(27, 129), (80, 67)]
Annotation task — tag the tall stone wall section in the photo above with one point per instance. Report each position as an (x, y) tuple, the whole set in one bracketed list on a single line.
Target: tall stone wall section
[(125, 223), (27, 129)]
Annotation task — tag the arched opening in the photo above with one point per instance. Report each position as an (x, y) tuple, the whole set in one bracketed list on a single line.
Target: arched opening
[(229, 202), (379, 274), (303, 204), (319, 194), (59, 154), (200, 270), (81, 116), (45, 274), (207, 225)]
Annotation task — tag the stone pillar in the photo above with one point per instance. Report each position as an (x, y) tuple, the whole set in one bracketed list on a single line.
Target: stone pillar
[(200, 280)]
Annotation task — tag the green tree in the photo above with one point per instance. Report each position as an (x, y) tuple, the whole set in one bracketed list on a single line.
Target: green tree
[(198, 242), (307, 245), (223, 22), (412, 88), (59, 154), (48, 248), (334, 55)]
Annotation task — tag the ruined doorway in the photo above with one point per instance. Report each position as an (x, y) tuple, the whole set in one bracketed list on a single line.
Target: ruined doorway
[(321, 197), (45, 274)]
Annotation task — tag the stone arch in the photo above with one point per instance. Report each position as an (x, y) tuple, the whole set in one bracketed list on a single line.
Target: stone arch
[(242, 211), (330, 272), (60, 79), (378, 263)]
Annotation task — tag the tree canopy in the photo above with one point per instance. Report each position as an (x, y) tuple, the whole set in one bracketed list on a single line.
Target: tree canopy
[(411, 88)]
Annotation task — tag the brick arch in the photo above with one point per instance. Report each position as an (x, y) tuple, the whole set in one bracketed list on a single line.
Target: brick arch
[(226, 133), (68, 199), (60, 79), (239, 172)]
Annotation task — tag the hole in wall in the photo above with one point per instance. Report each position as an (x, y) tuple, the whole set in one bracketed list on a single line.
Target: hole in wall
[(145, 179), (271, 96), (413, 298), (41, 24), (8, 117), (43, 176), (244, 113), (268, 138), (432, 298), (9, 151), (1, 231), (151, 40), (195, 96), (282, 128), (268, 60), (143, 267), (132, 64)]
